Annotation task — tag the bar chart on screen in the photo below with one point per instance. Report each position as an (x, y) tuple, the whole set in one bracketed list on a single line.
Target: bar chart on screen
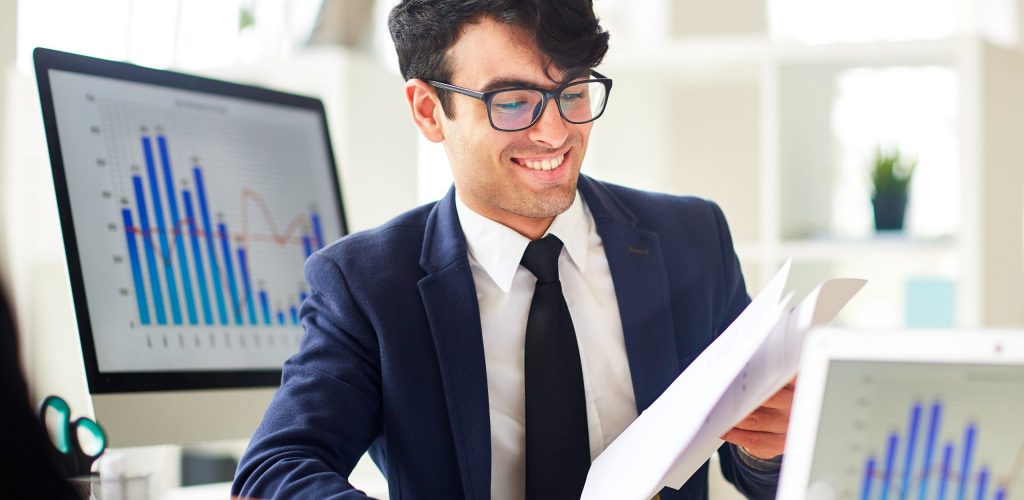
[(914, 463), (205, 209), (191, 245), (930, 431)]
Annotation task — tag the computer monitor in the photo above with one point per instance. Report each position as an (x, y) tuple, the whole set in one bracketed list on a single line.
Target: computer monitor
[(188, 207), (907, 414)]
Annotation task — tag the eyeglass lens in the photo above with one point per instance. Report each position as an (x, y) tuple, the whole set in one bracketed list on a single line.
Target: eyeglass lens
[(518, 109)]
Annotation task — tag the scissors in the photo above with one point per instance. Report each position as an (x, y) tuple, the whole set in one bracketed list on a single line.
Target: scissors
[(67, 437)]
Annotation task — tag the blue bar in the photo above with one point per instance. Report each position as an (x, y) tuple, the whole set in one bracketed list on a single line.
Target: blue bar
[(266, 306), (147, 244), (295, 315), (929, 450), (947, 459), (317, 231), (982, 483), (1001, 494), (303, 296), (158, 213), (214, 268), (965, 463), (179, 244), (197, 255), (890, 459), (869, 472), (225, 246), (244, 265), (908, 462), (306, 246), (133, 257), (280, 317)]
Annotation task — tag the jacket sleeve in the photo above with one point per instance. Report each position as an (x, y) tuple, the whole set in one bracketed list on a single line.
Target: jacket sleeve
[(327, 411), (752, 482)]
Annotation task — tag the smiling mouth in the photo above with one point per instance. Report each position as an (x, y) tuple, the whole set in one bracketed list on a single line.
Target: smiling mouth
[(541, 163)]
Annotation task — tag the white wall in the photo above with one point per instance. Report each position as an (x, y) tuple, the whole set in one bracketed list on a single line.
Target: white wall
[(8, 49)]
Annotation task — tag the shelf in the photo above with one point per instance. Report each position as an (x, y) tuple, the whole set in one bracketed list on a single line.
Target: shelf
[(883, 246), (887, 245)]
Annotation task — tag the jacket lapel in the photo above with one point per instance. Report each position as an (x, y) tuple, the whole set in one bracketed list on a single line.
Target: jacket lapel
[(449, 298), (641, 288)]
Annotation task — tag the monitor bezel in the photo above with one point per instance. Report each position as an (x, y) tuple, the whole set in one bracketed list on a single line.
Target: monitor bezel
[(124, 382)]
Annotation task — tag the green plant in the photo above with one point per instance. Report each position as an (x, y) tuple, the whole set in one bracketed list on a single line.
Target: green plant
[(246, 17), (891, 172)]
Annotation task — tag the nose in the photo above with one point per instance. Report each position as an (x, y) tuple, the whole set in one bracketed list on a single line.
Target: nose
[(550, 130)]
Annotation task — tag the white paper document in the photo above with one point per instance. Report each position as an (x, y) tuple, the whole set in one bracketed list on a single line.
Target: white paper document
[(751, 360)]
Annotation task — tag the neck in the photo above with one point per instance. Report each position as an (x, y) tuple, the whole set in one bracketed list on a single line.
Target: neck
[(529, 227)]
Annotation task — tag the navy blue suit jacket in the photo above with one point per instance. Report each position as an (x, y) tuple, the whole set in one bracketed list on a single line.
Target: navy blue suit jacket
[(393, 360)]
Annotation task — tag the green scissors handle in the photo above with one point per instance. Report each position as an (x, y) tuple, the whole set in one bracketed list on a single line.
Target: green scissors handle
[(65, 437)]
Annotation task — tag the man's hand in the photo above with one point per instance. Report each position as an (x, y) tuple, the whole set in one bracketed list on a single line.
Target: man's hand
[(763, 433)]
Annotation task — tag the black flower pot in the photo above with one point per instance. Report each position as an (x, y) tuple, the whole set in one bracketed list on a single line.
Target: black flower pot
[(890, 209)]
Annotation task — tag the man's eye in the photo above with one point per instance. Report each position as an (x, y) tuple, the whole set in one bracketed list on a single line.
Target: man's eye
[(509, 106), (575, 96)]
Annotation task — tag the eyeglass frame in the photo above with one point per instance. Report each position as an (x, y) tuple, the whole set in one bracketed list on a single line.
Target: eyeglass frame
[(488, 97)]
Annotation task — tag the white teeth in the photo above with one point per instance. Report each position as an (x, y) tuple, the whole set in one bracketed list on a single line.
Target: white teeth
[(549, 164)]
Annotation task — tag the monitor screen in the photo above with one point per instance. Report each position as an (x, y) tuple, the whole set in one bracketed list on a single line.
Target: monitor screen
[(188, 207)]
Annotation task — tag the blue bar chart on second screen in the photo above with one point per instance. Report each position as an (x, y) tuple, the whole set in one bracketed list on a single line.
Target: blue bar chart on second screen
[(915, 462), (925, 431)]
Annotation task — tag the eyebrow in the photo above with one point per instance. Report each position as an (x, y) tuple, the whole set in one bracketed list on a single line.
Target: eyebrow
[(504, 83)]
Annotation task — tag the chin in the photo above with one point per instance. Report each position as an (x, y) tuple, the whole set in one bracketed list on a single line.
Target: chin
[(550, 204)]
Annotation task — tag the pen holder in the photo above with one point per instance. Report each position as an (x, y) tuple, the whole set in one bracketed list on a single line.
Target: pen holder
[(96, 487)]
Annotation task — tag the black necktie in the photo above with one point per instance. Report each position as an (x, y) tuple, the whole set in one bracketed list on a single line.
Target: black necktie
[(557, 441)]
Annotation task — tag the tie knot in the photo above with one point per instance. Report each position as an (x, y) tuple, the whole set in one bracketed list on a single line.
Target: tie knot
[(541, 258)]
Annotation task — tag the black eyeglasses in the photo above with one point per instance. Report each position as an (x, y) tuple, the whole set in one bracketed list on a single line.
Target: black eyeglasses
[(518, 108)]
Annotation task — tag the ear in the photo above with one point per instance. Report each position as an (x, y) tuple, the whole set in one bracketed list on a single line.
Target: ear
[(426, 109)]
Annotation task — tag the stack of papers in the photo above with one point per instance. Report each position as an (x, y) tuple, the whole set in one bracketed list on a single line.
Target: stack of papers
[(752, 360)]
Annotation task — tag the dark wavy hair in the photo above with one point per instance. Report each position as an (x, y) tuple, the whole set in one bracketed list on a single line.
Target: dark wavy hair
[(567, 31)]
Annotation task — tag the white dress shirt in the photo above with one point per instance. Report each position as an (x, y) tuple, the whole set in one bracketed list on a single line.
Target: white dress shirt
[(504, 290)]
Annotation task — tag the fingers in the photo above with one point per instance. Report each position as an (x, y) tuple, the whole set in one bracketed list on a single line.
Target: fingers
[(782, 400), (763, 432), (763, 445), (765, 419)]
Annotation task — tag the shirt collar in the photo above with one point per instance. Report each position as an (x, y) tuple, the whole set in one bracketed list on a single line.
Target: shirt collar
[(499, 248)]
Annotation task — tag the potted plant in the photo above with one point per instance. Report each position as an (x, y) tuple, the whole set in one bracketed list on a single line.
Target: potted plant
[(890, 178)]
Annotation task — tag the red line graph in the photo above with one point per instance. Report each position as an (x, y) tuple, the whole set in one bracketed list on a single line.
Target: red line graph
[(288, 236)]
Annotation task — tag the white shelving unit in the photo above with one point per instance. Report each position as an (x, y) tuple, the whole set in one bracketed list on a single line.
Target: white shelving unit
[(751, 120)]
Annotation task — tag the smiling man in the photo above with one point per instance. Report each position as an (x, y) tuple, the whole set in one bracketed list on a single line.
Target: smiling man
[(492, 344)]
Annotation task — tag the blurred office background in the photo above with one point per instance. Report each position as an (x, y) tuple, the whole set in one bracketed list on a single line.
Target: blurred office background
[(773, 108)]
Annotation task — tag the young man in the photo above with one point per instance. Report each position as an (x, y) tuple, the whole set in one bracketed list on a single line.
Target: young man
[(490, 345)]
